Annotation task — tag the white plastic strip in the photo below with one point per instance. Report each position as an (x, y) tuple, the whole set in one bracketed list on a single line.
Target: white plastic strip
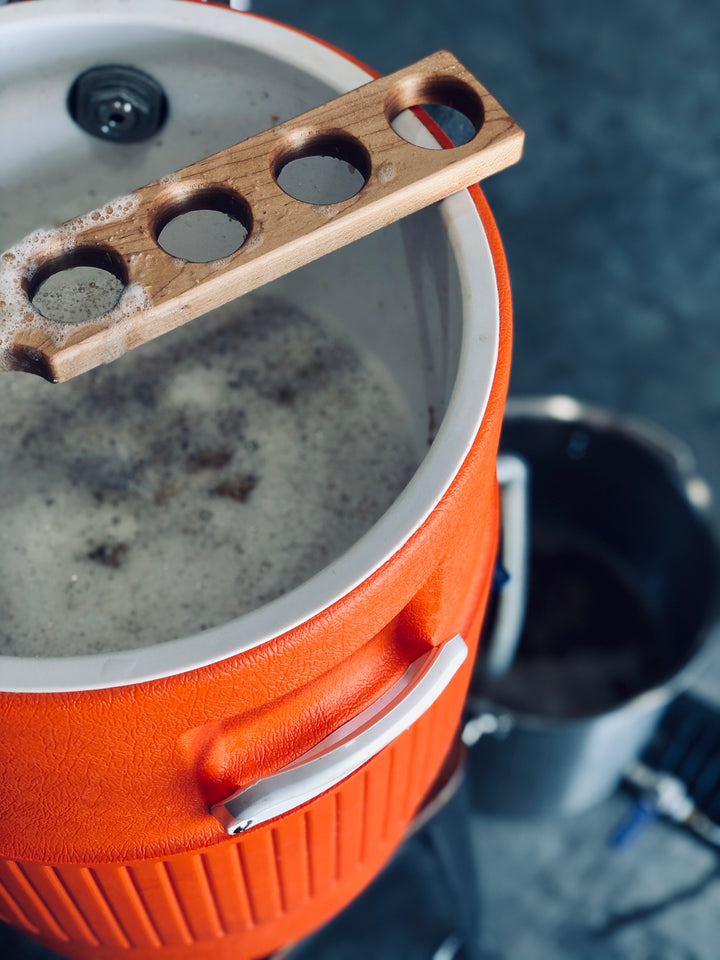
[(512, 473), (348, 747)]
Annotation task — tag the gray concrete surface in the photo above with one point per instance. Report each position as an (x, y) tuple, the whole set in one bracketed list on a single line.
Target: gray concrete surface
[(558, 891), (612, 235)]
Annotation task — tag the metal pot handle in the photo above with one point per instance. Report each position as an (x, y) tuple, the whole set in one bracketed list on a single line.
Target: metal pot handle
[(348, 747), (513, 477)]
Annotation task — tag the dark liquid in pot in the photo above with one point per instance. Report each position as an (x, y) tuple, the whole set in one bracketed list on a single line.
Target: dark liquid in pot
[(590, 641)]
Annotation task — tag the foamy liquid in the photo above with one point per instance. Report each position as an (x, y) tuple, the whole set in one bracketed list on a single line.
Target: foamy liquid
[(191, 481)]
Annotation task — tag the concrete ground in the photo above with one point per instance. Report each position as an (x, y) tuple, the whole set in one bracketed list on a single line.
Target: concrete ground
[(558, 891)]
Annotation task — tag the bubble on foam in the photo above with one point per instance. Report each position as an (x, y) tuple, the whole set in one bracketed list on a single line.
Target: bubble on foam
[(386, 172), (17, 311), (117, 340), (116, 210), (327, 210), (255, 240), (78, 296), (23, 260)]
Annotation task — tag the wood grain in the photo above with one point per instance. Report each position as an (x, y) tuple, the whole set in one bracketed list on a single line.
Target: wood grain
[(162, 292)]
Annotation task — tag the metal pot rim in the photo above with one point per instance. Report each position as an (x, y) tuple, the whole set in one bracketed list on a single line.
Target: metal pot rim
[(678, 461)]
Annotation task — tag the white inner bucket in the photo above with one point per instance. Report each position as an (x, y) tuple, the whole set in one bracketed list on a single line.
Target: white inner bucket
[(415, 304)]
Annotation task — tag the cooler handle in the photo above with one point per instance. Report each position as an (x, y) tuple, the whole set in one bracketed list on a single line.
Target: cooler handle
[(513, 478), (350, 746)]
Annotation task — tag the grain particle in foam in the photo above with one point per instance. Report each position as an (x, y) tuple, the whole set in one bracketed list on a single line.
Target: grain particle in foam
[(197, 477)]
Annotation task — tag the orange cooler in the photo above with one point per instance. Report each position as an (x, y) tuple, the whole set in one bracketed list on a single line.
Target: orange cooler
[(222, 795)]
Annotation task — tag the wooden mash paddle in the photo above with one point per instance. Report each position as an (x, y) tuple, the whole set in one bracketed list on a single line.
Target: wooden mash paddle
[(162, 292)]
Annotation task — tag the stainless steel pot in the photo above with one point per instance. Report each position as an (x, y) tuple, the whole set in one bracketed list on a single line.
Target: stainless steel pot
[(623, 588)]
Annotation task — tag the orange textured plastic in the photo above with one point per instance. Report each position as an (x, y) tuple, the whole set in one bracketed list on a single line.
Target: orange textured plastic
[(107, 846)]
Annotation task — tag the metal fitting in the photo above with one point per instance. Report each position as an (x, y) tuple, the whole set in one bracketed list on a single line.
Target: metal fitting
[(118, 103)]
